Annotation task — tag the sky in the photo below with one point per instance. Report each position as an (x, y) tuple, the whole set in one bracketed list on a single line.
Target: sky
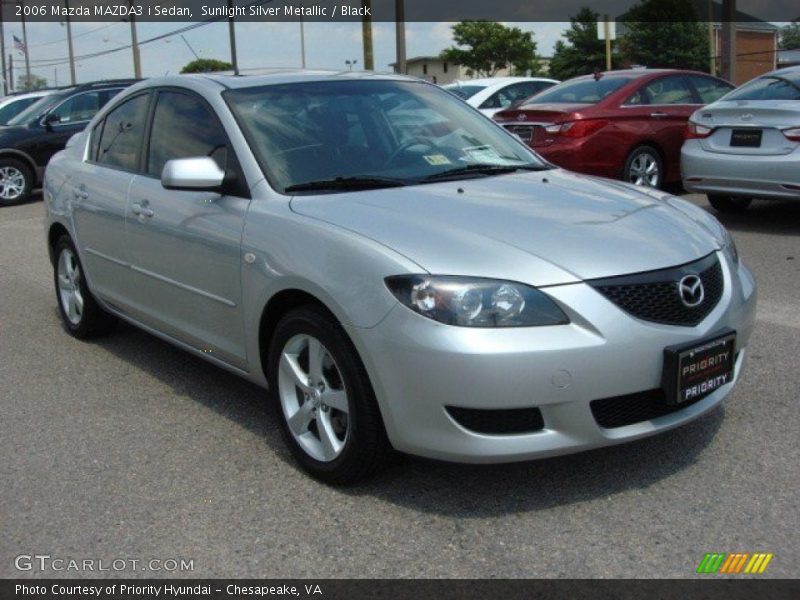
[(259, 45)]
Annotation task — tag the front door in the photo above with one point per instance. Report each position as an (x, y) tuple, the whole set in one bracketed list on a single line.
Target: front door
[(184, 246)]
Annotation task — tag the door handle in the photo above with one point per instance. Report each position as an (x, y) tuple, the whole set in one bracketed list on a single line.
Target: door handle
[(658, 115), (142, 209)]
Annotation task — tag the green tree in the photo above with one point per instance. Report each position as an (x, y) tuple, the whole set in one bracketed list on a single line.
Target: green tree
[(485, 47), (665, 34), (206, 65), (582, 53), (790, 36), (29, 84)]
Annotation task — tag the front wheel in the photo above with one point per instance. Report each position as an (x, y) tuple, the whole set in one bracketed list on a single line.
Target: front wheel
[(16, 181), (644, 167), (729, 204), (329, 416), (82, 316)]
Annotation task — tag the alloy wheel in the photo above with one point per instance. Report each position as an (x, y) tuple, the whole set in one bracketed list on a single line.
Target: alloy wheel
[(12, 183), (644, 170), (313, 398), (69, 288)]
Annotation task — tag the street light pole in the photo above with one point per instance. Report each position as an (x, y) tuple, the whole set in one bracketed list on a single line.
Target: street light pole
[(6, 86), (366, 34), (25, 43), (232, 35)]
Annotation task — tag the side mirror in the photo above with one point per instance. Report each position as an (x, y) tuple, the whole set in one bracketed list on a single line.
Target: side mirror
[(50, 119), (198, 174)]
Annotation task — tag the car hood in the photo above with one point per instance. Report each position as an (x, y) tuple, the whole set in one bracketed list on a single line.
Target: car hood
[(542, 228)]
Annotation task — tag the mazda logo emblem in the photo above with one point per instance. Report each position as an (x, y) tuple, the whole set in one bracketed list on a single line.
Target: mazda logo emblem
[(690, 289)]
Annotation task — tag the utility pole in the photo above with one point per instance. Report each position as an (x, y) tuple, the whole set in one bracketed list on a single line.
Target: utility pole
[(302, 40), (69, 46), (366, 34), (400, 36), (6, 87), (232, 35), (729, 40), (137, 59), (11, 72), (25, 44), (607, 35)]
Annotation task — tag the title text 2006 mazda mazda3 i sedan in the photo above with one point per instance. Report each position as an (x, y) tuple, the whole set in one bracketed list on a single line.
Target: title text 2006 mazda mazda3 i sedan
[(396, 269)]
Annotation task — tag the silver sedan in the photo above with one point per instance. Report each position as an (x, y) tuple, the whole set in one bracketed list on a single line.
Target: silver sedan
[(747, 144), (395, 269)]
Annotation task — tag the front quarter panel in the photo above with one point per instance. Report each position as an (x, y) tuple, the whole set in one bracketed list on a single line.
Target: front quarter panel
[(285, 251)]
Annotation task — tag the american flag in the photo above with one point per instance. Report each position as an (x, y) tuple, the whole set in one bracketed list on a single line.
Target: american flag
[(20, 45)]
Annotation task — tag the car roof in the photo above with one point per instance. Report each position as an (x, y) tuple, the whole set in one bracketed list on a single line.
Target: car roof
[(487, 81)]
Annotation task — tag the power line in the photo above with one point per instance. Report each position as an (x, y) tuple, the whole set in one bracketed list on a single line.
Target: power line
[(64, 40)]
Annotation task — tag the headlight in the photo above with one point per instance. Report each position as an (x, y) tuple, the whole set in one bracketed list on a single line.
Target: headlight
[(475, 302)]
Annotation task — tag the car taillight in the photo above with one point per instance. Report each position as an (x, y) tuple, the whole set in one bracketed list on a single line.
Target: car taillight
[(576, 129), (695, 131), (792, 134)]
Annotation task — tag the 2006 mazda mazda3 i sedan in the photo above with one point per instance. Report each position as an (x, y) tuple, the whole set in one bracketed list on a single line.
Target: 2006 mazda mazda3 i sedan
[(397, 270)]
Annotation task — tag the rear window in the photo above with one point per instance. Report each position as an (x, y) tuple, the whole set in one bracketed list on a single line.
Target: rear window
[(769, 87), (580, 91), (464, 91)]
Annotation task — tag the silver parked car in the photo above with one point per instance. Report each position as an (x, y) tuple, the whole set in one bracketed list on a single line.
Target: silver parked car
[(747, 144), (424, 283)]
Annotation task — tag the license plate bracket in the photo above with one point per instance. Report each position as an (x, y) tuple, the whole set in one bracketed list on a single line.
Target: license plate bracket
[(746, 138), (692, 371)]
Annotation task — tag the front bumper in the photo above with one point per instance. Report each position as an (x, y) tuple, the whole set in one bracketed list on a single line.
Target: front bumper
[(750, 176), (418, 367)]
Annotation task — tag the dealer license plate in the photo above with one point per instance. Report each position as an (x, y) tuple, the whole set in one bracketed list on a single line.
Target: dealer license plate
[(694, 371)]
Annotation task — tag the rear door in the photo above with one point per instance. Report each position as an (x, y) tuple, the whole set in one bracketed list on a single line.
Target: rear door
[(659, 111), (184, 246), (99, 189)]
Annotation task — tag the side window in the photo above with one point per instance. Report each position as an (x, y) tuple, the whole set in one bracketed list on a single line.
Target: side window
[(122, 133), (81, 107), (709, 89), (184, 127), (637, 98), (669, 90), (526, 89)]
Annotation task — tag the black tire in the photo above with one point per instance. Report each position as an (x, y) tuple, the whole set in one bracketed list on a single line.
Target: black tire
[(93, 321), (636, 157), (366, 448), (12, 166), (729, 204)]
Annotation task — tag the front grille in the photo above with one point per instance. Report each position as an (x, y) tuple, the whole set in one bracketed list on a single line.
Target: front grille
[(654, 295), (498, 422), (633, 408)]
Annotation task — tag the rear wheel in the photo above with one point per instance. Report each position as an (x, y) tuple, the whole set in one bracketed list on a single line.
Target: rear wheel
[(644, 167), (16, 181), (82, 316), (729, 204), (330, 418)]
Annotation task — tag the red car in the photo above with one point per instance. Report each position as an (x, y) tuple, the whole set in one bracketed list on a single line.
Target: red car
[(625, 125)]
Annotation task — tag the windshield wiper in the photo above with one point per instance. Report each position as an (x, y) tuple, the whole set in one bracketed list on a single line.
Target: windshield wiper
[(347, 183), (482, 169)]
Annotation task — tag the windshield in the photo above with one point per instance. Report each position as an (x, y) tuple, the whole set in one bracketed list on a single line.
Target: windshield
[(37, 109), (586, 90), (464, 91), (14, 107), (369, 132), (770, 87)]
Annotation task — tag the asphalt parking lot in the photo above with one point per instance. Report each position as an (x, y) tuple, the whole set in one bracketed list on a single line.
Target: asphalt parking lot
[(130, 448)]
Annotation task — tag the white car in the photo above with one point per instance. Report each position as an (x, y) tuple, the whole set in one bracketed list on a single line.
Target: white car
[(11, 106), (493, 94)]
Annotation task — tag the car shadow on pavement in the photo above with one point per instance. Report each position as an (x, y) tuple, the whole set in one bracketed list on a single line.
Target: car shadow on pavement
[(427, 485), (763, 216)]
